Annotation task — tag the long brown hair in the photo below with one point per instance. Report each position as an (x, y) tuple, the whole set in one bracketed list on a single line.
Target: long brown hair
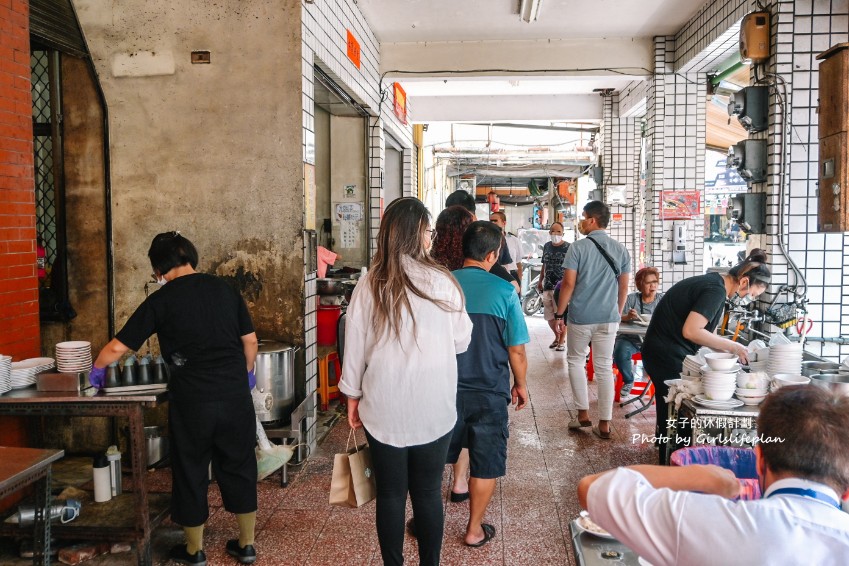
[(402, 231)]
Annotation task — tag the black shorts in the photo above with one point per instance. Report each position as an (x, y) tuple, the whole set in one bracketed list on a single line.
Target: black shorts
[(482, 428)]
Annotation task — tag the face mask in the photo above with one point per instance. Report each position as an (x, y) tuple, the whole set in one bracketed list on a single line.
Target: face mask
[(161, 281), (581, 227), (744, 299), (556, 238)]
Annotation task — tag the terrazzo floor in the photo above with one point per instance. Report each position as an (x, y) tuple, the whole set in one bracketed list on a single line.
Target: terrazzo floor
[(531, 509)]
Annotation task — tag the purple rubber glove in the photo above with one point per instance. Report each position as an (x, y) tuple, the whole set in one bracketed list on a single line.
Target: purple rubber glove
[(251, 379), (97, 377)]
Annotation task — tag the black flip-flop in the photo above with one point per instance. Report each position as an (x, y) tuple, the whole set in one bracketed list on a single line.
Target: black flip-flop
[(488, 535), (459, 497)]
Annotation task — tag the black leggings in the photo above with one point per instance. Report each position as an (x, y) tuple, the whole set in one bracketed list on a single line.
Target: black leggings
[(417, 470)]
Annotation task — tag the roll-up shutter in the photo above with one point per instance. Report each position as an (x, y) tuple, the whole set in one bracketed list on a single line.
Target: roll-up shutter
[(54, 24)]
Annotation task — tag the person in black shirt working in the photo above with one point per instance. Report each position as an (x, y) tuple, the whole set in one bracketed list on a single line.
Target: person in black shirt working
[(686, 318), (207, 338)]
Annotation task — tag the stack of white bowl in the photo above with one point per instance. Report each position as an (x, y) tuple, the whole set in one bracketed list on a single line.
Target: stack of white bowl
[(785, 358), (5, 373), (752, 388), (719, 376), (73, 357)]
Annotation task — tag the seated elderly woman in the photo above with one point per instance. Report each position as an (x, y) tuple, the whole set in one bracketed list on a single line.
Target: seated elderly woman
[(643, 302)]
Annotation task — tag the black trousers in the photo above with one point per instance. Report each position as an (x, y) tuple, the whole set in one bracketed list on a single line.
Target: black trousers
[(223, 432), (417, 470)]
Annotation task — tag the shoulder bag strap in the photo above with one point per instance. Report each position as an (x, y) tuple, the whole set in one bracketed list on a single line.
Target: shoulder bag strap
[(606, 256)]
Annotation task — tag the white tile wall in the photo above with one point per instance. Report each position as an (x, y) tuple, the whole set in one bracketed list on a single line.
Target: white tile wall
[(324, 43), (620, 154), (800, 30), (675, 127)]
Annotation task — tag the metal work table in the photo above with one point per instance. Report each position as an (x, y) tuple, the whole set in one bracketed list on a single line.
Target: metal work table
[(20, 467), (87, 403), (591, 550)]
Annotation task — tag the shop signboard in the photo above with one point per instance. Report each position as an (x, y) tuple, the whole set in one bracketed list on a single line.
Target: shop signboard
[(680, 205), (353, 49), (400, 103)]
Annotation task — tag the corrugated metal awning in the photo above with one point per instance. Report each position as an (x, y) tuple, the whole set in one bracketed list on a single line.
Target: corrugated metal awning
[(54, 24)]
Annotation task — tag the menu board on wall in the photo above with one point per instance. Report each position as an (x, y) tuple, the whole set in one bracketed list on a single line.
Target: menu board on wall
[(680, 205)]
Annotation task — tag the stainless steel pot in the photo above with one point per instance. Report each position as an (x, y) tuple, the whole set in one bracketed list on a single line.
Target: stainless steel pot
[(814, 367), (326, 286), (274, 395), (156, 443), (836, 383)]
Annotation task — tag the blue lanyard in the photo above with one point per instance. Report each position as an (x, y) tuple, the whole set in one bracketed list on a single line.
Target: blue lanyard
[(807, 493)]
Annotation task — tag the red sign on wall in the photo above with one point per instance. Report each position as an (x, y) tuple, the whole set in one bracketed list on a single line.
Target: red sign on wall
[(680, 205), (400, 103), (353, 49)]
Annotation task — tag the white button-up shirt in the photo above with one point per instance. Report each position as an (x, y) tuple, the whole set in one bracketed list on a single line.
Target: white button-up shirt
[(684, 528), (408, 384)]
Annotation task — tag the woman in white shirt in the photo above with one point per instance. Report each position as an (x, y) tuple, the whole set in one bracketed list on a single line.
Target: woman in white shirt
[(405, 325)]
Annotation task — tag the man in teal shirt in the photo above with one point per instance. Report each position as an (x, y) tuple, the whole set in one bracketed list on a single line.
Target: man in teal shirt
[(483, 373)]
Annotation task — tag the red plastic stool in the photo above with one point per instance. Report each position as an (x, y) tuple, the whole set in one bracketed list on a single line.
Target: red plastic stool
[(326, 389)]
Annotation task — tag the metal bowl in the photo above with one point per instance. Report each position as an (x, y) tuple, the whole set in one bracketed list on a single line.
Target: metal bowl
[(327, 286), (814, 367), (836, 383)]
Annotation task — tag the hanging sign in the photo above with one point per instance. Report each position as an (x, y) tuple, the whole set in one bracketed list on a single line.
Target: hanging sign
[(616, 219), (400, 103), (680, 205), (353, 49)]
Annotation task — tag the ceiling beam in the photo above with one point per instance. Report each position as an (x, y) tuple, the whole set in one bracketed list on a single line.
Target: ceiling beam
[(555, 108), (620, 57)]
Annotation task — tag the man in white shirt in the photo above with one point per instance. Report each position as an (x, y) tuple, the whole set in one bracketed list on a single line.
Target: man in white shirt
[(803, 468)]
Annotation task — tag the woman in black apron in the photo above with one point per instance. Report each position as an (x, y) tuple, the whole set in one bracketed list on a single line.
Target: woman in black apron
[(207, 338), (687, 316)]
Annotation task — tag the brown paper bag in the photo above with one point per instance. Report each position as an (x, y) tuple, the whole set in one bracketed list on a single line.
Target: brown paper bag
[(352, 483)]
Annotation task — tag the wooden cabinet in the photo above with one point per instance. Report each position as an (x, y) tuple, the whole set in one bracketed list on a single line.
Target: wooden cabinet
[(833, 206)]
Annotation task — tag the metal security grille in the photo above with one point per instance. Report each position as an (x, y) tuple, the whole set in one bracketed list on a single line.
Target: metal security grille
[(45, 187)]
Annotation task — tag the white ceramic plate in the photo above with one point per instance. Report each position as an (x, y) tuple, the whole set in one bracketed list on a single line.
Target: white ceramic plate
[(730, 404), (74, 344), (586, 524)]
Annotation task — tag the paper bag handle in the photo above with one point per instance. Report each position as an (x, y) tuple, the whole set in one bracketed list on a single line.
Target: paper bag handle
[(351, 435)]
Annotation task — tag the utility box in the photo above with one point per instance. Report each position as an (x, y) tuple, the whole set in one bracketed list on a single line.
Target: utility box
[(754, 37), (749, 158), (750, 105), (833, 198), (749, 210)]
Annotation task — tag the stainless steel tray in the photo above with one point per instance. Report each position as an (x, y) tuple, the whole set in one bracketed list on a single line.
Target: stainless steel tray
[(125, 389)]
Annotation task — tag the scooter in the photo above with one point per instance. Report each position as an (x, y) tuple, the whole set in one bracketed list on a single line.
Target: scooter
[(532, 301)]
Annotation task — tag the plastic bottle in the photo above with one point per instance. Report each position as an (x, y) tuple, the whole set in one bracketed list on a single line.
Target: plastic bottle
[(159, 375), (102, 481), (114, 457)]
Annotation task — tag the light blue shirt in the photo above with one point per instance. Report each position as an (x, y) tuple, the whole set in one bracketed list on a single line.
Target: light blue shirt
[(595, 299)]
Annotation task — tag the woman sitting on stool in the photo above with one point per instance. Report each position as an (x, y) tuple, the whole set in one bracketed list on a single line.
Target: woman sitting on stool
[(642, 302)]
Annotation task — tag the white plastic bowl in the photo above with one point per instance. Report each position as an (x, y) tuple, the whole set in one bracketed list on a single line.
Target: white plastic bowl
[(720, 361), (751, 400), (741, 392), (784, 379), (717, 394), (749, 381)]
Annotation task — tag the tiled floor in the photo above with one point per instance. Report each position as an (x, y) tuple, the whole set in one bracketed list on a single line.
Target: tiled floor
[(531, 508)]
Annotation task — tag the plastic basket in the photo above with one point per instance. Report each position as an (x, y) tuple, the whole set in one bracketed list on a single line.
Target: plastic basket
[(741, 461)]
